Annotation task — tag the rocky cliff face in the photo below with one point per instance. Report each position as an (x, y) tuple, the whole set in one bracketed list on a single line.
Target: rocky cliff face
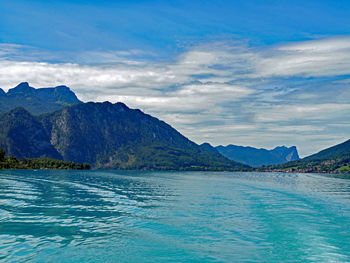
[(286, 154), (23, 136)]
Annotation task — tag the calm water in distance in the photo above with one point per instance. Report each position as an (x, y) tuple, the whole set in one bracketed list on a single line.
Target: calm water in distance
[(111, 216)]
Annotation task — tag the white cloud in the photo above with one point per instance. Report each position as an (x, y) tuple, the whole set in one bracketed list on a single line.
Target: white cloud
[(295, 128), (282, 113), (328, 57)]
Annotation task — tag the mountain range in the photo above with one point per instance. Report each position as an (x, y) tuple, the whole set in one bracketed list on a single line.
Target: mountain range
[(255, 157), (54, 123), (105, 135)]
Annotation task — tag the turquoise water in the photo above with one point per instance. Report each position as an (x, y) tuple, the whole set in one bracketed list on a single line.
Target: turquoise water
[(103, 216)]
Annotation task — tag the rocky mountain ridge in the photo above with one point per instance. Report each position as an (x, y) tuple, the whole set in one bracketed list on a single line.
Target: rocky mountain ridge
[(37, 101)]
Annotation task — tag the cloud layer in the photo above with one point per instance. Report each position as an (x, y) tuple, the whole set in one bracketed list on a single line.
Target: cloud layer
[(223, 92)]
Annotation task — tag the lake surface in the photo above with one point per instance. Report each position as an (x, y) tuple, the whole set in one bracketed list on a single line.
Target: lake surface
[(105, 216)]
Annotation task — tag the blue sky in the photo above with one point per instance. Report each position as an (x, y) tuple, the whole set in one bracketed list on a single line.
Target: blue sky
[(258, 73), (166, 26)]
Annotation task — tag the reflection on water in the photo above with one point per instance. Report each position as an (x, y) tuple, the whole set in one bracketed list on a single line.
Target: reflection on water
[(104, 216)]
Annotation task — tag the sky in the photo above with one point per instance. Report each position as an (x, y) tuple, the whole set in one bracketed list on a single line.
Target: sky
[(253, 73)]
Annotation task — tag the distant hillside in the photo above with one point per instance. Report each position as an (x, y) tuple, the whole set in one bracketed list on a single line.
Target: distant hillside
[(259, 157), (332, 152), (105, 135), (37, 101), (335, 159)]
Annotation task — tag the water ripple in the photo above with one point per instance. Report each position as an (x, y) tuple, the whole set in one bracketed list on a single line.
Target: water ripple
[(102, 216)]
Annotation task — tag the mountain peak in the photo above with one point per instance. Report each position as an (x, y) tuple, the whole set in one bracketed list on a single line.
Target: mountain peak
[(23, 84), (60, 94), (208, 147), (62, 88), (22, 87)]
